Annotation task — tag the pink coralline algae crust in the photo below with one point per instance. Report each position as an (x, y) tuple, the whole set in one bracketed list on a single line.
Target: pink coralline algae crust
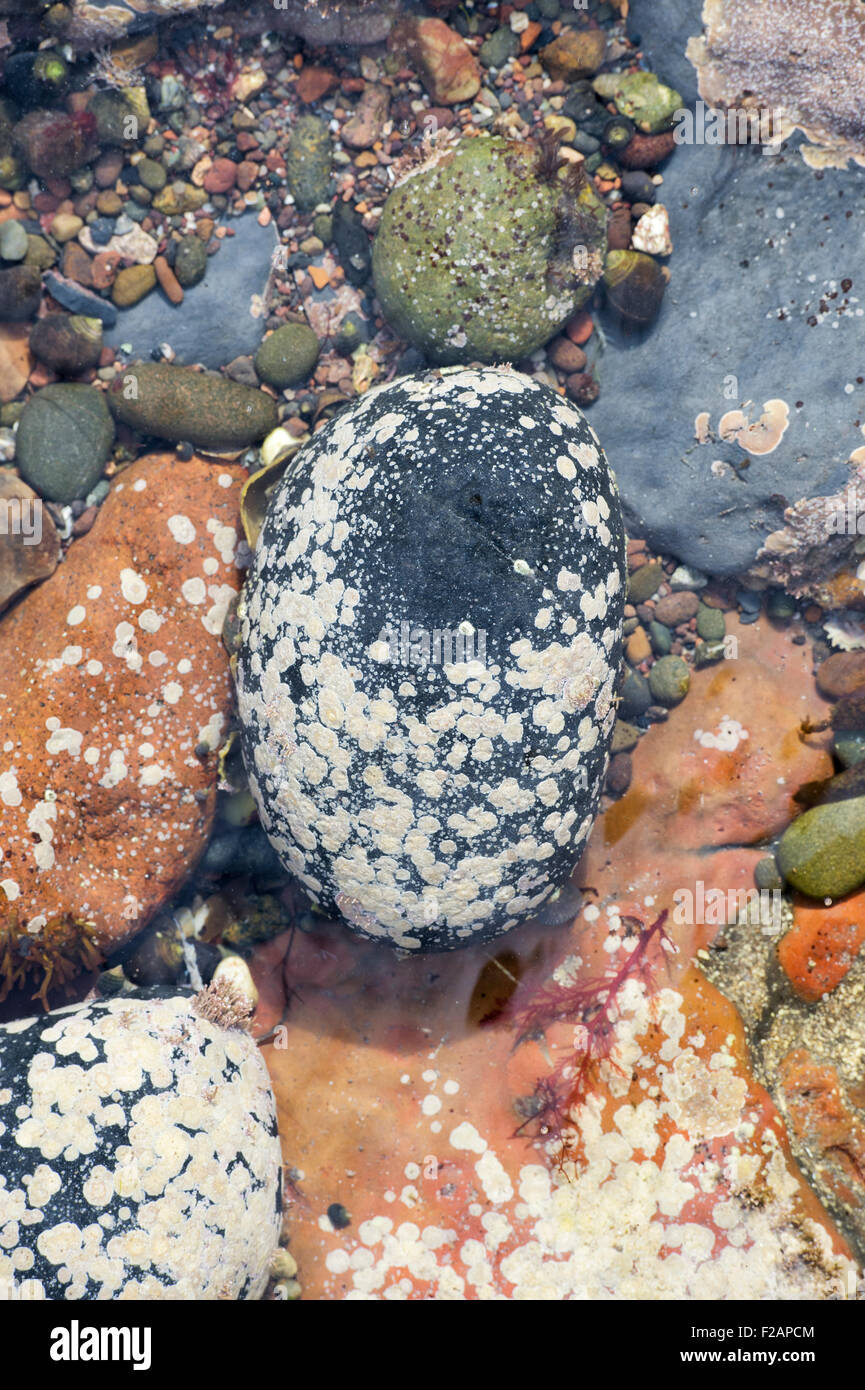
[(114, 696), (803, 62), (422, 1094)]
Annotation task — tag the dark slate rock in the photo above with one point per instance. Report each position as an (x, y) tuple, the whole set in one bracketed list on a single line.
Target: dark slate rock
[(736, 267), (352, 243), (215, 323), (430, 803), (78, 300), (87, 1123)]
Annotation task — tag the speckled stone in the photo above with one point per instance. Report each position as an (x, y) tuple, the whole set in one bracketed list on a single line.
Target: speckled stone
[(114, 674), (139, 1154), (433, 795)]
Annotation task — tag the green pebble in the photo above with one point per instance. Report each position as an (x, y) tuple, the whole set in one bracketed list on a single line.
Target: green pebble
[(644, 582), (322, 226), (495, 51), (625, 737), (780, 605), (661, 639), (287, 356), (767, 873), (823, 852), (176, 403), (850, 747), (650, 103), (710, 623), (707, 653), (64, 438), (308, 162), (190, 261), (669, 680), (151, 174)]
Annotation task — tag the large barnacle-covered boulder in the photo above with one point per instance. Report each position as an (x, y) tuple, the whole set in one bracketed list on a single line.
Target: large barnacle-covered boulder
[(430, 645), (484, 251), (139, 1155)]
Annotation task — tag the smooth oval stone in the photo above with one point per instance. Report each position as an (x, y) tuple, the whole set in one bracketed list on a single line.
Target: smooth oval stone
[(177, 403), (64, 438), (430, 641), (823, 852)]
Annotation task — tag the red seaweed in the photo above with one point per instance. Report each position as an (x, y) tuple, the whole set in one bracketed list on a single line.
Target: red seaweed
[(590, 1004)]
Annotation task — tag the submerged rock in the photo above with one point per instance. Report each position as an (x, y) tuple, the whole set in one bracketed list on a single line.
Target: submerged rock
[(484, 253), (29, 543), (64, 438), (823, 851), (114, 696), (132, 1132), (426, 693), (308, 162), (287, 356), (221, 316), (67, 343), (178, 403)]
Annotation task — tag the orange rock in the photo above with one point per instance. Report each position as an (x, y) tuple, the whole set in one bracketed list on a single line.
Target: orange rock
[(580, 328), (841, 674), (168, 281), (314, 83), (823, 1120), (29, 543), (432, 1098), (115, 693), (16, 359), (105, 267), (320, 276), (822, 944), (447, 66)]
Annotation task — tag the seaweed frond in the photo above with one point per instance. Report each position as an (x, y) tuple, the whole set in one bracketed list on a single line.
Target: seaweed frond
[(591, 1005), (52, 957)]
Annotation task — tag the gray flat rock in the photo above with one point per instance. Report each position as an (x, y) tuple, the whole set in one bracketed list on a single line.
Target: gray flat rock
[(755, 312), (215, 323)]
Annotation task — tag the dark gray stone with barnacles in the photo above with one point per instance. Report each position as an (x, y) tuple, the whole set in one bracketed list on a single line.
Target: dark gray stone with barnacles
[(139, 1155), (435, 791)]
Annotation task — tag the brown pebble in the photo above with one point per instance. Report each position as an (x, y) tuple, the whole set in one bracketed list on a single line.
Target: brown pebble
[(619, 774), (841, 674), (582, 388), (105, 269), (83, 523), (676, 608), (566, 355), (77, 265), (168, 281)]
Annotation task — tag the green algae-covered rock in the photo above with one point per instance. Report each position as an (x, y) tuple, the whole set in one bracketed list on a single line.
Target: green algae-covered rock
[(669, 680), (287, 356), (64, 438), (308, 162), (190, 261), (823, 852), (484, 252), (650, 103), (177, 403)]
